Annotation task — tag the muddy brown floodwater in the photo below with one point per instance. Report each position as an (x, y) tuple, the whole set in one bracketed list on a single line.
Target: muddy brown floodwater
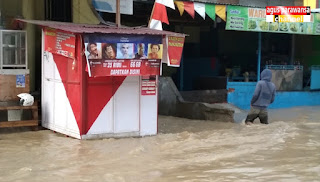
[(186, 150)]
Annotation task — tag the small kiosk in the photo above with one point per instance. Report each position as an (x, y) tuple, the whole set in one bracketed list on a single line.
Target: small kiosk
[(100, 81)]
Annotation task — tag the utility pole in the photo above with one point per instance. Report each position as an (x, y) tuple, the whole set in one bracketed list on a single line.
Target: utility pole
[(118, 14)]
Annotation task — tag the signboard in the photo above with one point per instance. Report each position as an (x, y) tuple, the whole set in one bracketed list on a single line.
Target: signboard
[(123, 55), (110, 6), (125, 67), (254, 19), (175, 47), (148, 85), (59, 42), (21, 81)]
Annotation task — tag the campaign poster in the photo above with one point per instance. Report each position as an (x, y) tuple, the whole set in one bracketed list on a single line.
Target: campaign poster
[(21, 81), (175, 48), (59, 42), (123, 55), (148, 85)]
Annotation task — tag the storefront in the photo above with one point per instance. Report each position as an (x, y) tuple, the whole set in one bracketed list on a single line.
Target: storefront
[(100, 81), (285, 49)]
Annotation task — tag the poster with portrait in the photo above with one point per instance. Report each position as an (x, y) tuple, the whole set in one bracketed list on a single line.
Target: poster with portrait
[(123, 55), (125, 51), (155, 51), (109, 50), (93, 50), (141, 51)]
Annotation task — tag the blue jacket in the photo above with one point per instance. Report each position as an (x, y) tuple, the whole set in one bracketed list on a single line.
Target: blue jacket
[(265, 91)]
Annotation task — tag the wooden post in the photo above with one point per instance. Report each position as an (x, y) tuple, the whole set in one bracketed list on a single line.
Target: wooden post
[(118, 14)]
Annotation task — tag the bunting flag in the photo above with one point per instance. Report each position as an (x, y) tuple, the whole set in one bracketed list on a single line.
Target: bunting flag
[(221, 11), (180, 6), (200, 9), (159, 13), (167, 3), (211, 12), (189, 8), (312, 3)]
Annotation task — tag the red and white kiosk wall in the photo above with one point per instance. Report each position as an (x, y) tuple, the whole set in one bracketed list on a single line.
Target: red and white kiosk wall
[(118, 99)]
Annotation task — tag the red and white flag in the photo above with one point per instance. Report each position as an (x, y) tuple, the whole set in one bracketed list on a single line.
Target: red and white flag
[(172, 46), (159, 13)]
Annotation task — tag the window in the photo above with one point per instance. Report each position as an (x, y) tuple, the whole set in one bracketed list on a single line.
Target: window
[(13, 49), (58, 10)]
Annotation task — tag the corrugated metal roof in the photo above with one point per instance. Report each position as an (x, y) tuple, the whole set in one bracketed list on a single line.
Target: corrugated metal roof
[(108, 29)]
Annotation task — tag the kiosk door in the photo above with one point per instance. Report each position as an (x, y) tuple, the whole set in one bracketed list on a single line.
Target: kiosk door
[(126, 106)]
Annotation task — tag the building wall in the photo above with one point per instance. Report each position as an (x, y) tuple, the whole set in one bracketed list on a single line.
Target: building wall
[(307, 49), (203, 58), (33, 9), (82, 12), (243, 91), (10, 9), (9, 91), (171, 103), (27, 9)]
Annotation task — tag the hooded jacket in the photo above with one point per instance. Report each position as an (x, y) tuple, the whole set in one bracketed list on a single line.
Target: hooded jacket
[(265, 91)]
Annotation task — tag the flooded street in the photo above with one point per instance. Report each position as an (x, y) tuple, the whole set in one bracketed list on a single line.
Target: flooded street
[(288, 149)]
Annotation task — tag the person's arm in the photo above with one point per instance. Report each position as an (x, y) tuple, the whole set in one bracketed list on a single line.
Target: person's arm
[(273, 96), (256, 93)]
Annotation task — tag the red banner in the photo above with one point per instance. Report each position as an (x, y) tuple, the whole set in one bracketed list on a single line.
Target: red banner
[(125, 67), (175, 47), (59, 42)]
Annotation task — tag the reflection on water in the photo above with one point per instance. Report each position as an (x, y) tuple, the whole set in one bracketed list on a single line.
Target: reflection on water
[(185, 150)]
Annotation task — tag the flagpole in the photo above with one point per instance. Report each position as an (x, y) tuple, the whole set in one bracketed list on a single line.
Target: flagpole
[(151, 14), (118, 14)]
